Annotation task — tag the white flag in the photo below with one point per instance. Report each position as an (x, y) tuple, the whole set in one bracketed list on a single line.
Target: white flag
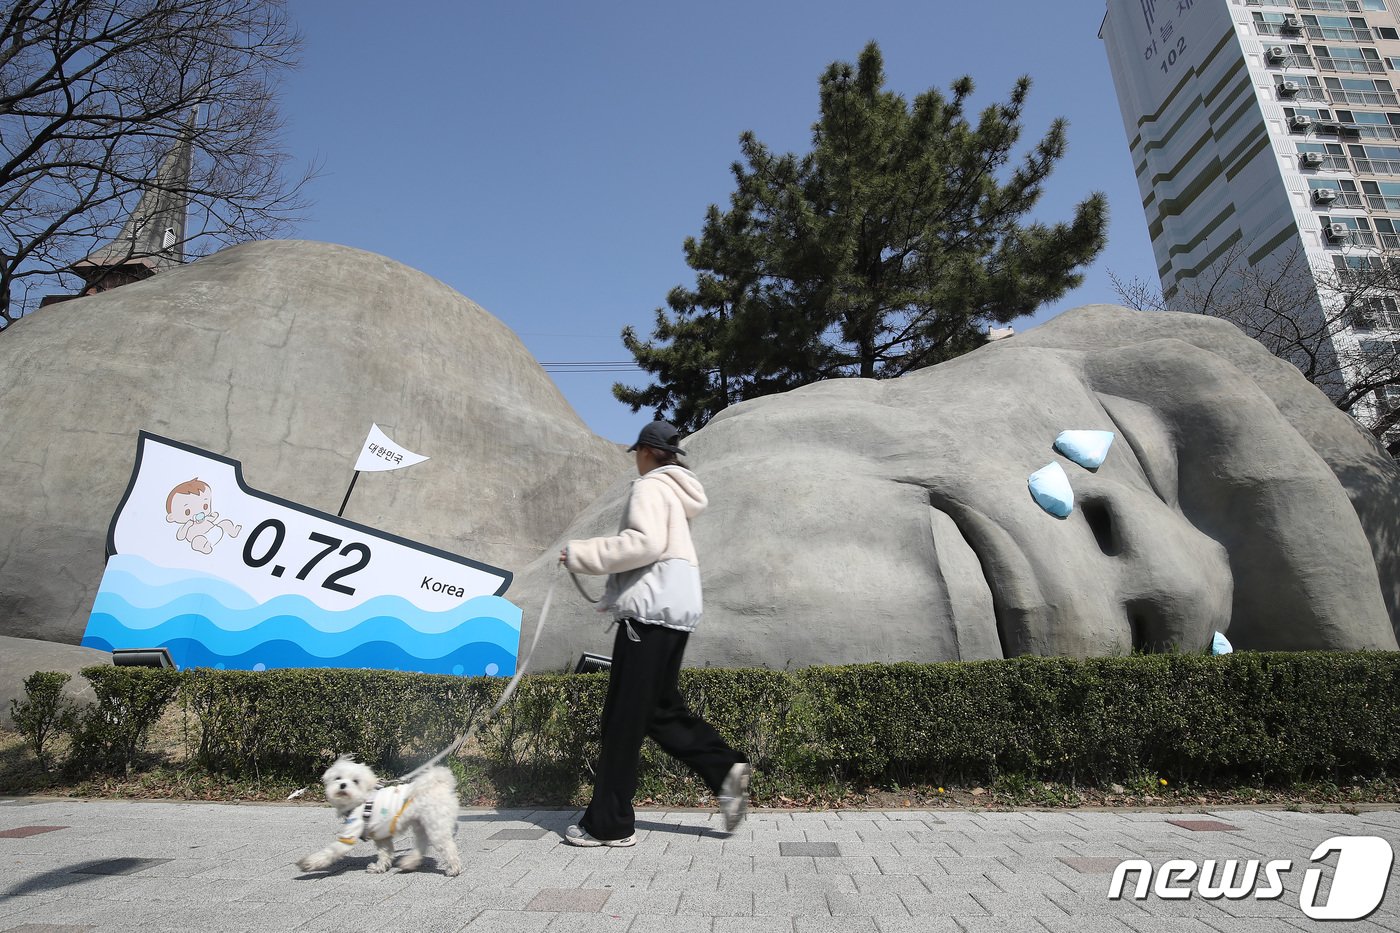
[(380, 453)]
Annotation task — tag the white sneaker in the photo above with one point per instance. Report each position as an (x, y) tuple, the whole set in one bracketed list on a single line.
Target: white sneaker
[(734, 795), (576, 835)]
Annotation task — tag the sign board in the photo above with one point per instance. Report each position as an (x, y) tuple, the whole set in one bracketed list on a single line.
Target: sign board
[(226, 576)]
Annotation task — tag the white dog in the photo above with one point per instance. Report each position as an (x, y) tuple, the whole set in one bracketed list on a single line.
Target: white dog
[(428, 806)]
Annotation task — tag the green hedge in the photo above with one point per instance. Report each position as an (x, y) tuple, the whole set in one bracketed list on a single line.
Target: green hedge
[(44, 711), (1242, 718), (294, 721), (111, 734)]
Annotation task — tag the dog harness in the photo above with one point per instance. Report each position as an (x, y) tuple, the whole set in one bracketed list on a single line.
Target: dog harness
[(379, 817)]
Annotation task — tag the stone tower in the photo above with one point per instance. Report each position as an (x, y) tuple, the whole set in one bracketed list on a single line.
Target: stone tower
[(153, 237)]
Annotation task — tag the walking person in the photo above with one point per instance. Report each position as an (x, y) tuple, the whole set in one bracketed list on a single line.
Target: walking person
[(653, 592)]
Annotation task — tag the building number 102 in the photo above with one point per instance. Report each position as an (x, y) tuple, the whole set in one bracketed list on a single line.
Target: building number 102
[(279, 534), (1173, 54)]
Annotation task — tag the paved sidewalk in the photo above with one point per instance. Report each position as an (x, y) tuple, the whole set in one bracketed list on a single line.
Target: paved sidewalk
[(110, 865)]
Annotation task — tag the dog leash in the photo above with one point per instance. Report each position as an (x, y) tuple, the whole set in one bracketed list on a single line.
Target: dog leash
[(504, 698), (505, 694), (581, 591)]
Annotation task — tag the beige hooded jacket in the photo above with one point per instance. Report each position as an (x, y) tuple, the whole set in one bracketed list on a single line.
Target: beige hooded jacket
[(654, 574)]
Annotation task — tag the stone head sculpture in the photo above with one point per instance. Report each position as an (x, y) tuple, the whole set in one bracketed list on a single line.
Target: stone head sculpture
[(858, 520)]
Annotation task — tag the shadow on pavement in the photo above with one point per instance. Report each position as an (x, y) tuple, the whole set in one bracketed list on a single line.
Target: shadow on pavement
[(345, 866), (555, 821), (80, 873)]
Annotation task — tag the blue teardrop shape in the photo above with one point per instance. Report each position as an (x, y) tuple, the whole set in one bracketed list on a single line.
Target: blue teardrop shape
[(1086, 448), (1050, 488)]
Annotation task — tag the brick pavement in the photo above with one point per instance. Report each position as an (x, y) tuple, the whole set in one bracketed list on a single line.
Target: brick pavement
[(76, 866)]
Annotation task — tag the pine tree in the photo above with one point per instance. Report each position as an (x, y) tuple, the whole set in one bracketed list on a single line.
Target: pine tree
[(885, 249)]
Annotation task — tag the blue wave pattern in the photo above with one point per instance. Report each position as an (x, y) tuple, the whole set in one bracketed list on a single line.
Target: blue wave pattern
[(478, 658), (205, 621), (148, 585)]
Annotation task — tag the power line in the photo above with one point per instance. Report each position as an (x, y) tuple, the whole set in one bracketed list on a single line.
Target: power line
[(591, 366), (539, 333)]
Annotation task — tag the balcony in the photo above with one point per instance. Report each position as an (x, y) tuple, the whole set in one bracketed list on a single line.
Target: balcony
[(1339, 33), (1304, 92), (1333, 128), (1372, 279), (1332, 163), (1373, 131), (1377, 166), (1351, 65), (1361, 98), (1378, 202), (1364, 316), (1291, 60), (1343, 199), (1330, 6)]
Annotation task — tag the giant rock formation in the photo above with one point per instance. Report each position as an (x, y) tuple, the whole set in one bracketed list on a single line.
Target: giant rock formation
[(850, 521), (280, 354)]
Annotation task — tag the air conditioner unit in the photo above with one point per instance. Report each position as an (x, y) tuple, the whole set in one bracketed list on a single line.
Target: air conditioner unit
[(1293, 22), (1300, 121), (1338, 231), (1324, 195), (1312, 158), (1276, 53), (1288, 88)]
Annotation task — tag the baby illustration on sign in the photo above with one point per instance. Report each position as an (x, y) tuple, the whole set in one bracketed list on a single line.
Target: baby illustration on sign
[(188, 506)]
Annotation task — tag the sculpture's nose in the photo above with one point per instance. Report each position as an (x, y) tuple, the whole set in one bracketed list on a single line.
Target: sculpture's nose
[(1171, 581)]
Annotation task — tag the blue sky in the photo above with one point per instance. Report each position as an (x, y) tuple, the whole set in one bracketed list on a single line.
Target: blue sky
[(548, 160)]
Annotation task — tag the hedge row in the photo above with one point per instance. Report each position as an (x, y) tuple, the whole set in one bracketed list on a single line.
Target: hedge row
[(1242, 718)]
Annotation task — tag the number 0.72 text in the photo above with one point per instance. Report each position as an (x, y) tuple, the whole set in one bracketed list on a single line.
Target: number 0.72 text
[(279, 534)]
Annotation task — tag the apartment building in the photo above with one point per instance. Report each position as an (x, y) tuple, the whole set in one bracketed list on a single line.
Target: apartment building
[(1266, 129)]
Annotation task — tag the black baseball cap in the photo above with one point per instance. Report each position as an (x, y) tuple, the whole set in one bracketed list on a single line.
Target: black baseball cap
[(659, 434)]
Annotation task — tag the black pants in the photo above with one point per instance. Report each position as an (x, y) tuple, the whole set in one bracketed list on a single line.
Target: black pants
[(643, 700)]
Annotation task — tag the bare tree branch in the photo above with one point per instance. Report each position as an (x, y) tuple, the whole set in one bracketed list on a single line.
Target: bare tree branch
[(1340, 326), (96, 94)]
